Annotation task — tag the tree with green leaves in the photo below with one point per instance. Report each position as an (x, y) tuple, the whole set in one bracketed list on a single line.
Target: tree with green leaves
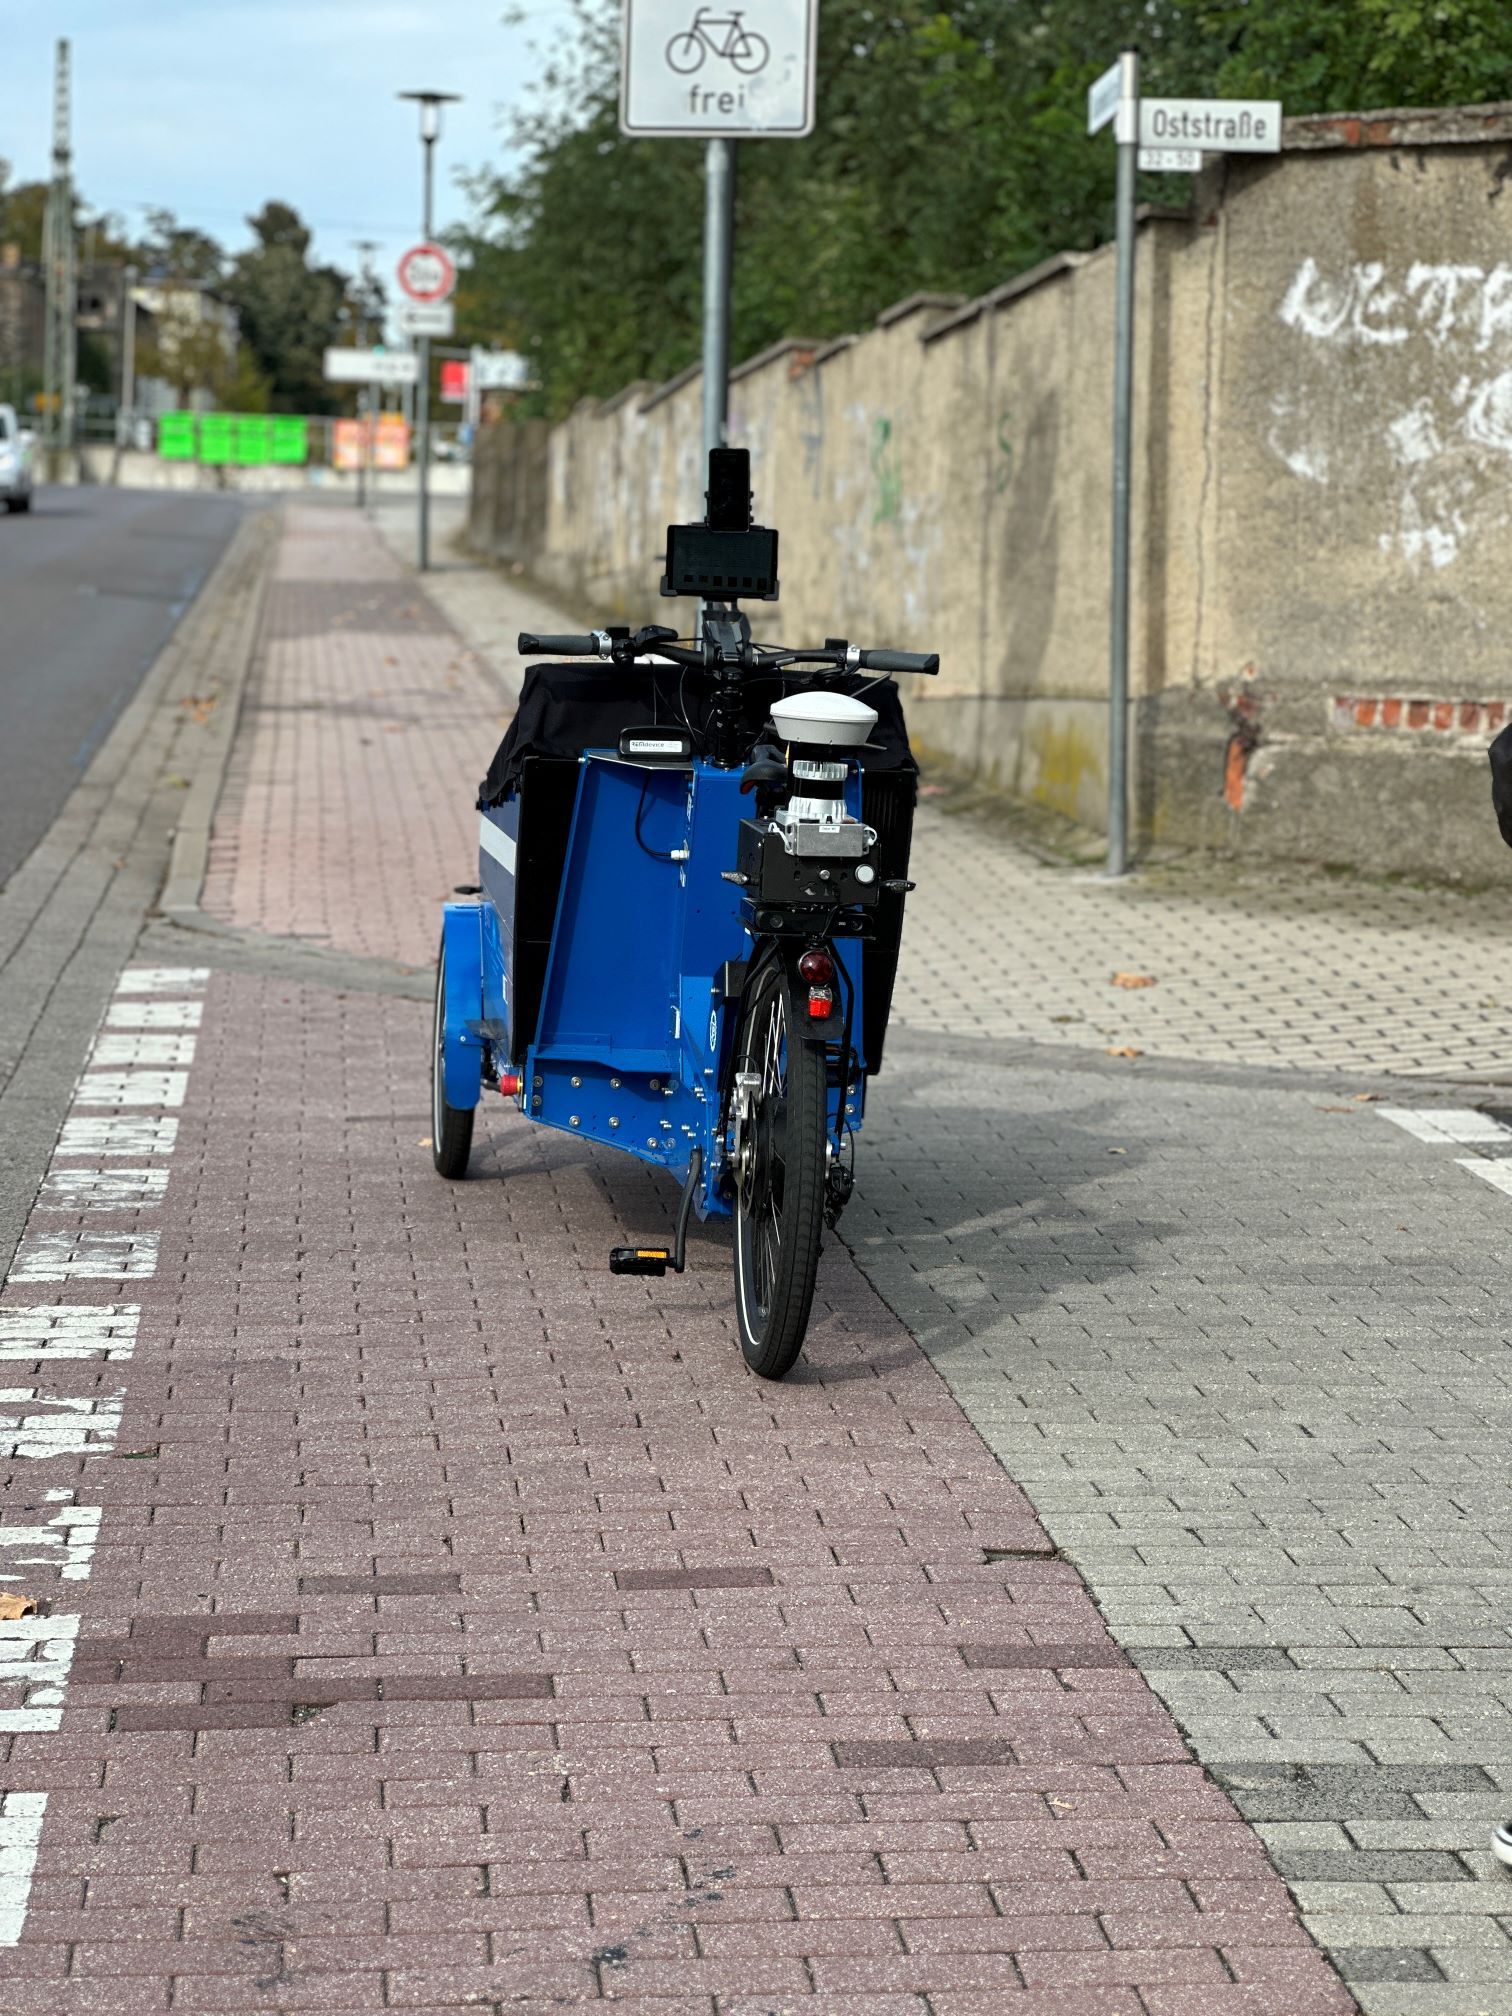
[(950, 154), (289, 310)]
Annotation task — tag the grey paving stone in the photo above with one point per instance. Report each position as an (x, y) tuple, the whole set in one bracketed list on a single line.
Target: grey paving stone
[(1386, 1963)]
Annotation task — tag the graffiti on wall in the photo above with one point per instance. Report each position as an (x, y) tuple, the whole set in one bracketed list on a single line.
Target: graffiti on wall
[(1437, 404)]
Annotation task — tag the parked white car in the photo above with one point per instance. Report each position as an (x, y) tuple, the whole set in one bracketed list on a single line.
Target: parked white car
[(17, 455)]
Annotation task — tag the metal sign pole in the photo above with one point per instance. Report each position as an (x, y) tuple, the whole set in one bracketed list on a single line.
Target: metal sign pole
[(719, 234), (422, 390), (1126, 133)]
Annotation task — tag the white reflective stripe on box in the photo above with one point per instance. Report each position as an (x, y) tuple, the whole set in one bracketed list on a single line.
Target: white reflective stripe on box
[(496, 844)]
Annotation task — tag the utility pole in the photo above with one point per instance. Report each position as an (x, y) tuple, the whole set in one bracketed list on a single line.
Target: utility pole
[(366, 303), (126, 399), (1126, 133), (59, 354), (430, 103), (719, 238)]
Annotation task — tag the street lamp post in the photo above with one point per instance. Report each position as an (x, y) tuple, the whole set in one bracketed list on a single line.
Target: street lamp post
[(430, 103)]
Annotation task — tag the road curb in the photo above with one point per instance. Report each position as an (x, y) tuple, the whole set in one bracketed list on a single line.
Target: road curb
[(185, 879)]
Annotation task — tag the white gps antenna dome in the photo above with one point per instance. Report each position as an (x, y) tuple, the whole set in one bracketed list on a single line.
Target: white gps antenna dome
[(832, 720)]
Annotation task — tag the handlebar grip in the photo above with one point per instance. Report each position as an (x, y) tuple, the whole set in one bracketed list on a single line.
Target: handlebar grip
[(901, 661), (556, 647)]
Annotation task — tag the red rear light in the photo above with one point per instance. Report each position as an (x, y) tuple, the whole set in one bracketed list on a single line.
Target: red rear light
[(817, 968), (821, 1003), (510, 1083)]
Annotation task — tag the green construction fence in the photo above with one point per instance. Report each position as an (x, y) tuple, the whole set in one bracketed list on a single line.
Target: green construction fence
[(244, 440)]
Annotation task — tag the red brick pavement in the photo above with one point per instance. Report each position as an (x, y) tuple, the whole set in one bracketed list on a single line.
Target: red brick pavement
[(469, 1628), (349, 808)]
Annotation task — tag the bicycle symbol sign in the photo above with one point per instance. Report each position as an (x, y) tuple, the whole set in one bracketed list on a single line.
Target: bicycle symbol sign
[(697, 70), (727, 37)]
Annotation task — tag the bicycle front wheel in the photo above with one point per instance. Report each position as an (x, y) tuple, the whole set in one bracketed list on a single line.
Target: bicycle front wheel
[(779, 1153)]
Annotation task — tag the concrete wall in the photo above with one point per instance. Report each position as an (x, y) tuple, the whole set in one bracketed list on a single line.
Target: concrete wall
[(1322, 499)]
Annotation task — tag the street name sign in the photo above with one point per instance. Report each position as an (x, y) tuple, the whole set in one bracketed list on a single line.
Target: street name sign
[(372, 367), (1102, 99), (703, 72), (426, 318), (426, 273), (1171, 160), (1221, 125)]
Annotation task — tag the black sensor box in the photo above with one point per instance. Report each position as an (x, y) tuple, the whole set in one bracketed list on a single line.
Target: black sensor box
[(721, 566)]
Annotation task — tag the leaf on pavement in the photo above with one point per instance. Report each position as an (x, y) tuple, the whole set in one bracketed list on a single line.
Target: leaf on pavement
[(1124, 1050), (1133, 979), (12, 1607)]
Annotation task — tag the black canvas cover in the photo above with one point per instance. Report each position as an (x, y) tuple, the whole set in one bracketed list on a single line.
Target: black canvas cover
[(1500, 753), (565, 709)]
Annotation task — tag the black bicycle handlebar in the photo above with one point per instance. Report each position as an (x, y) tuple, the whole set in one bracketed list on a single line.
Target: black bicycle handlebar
[(900, 661), (557, 647), (600, 644)]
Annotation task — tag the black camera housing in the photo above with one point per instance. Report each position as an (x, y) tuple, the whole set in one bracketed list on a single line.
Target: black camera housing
[(726, 558)]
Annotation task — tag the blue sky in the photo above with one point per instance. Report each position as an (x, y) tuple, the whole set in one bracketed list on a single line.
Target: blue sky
[(210, 107)]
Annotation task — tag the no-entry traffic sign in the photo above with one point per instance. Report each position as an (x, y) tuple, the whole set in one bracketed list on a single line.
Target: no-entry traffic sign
[(426, 273)]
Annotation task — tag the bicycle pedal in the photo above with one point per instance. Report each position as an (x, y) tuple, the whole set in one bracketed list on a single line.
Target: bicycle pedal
[(638, 1259)]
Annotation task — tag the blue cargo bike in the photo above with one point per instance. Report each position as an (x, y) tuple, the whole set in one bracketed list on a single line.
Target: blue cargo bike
[(692, 860)]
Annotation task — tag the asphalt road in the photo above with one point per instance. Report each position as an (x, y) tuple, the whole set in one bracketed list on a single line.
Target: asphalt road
[(92, 583)]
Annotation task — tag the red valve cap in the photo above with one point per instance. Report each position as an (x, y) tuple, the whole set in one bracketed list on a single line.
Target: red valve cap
[(510, 1083)]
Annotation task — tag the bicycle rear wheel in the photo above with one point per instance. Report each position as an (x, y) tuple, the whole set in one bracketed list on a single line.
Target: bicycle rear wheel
[(779, 1153)]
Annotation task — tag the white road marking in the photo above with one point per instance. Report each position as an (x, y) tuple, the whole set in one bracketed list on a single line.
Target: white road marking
[(70, 1330), (35, 1656), (118, 1134), (75, 1427), (21, 1815), (163, 980), (36, 1653), (1445, 1123), (154, 1014), (65, 1542), (86, 1256), (1493, 1169), (102, 1189), (130, 1047), (132, 1088)]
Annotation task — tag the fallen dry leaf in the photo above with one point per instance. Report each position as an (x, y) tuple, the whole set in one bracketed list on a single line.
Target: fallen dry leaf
[(1366, 1098), (1124, 1050), (1133, 979), (424, 1141), (1336, 1109), (12, 1607), (1118, 1151)]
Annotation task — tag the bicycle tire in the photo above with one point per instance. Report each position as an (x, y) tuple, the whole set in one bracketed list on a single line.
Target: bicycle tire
[(750, 42), (780, 1156), (451, 1126)]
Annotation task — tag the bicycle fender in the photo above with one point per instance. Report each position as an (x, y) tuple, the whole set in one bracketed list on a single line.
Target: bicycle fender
[(462, 1046)]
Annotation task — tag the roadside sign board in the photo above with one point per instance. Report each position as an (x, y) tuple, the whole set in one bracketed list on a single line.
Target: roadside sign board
[(692, 71), (1221, 125), (426, 318), (499, 371), (427, 273), (1171, 160), (453, 380), (372, 367), (1102, 99)]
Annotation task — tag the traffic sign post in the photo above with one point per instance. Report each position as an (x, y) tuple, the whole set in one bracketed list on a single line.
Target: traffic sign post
[(691, 71), (1167, 134), (426, 318)]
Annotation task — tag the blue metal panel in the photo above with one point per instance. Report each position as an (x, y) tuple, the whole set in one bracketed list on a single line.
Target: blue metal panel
[(643, 925), (462, 1046)]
